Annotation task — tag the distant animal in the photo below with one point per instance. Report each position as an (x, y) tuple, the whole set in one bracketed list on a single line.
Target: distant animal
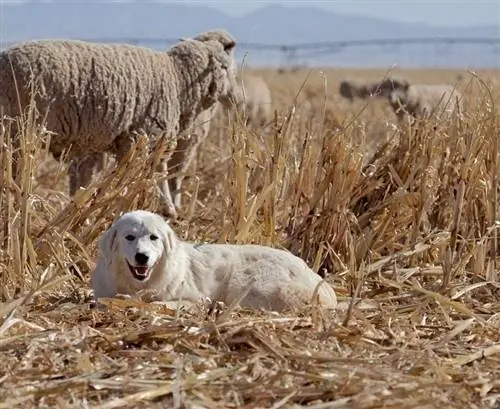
[(420, 100), (96, 97), (254, 100), (141, 252), (351, 90)]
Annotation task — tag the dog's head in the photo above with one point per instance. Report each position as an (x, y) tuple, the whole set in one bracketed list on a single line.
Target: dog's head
[(139, 240)]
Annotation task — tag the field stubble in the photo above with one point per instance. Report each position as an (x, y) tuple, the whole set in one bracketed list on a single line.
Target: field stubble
[(405, 221)]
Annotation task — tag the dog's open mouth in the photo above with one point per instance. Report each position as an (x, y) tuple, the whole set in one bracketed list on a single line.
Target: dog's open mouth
[(139, 272)]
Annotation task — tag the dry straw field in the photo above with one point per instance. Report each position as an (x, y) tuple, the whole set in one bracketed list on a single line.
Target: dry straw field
[(403, 220)]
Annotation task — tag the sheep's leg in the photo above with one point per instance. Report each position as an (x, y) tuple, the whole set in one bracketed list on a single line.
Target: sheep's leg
[(183, 156), (15, 135), (87, 167), (176, 189), (100, 162), (168, 203), (177, 163), (121, 146), (81, 171), (74, 177)]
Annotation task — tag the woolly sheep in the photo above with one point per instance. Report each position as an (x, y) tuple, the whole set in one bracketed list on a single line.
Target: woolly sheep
[(97, 96), (140, 252), (420, 100), (254, 100)]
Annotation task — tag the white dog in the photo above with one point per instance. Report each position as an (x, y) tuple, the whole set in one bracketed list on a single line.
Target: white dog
[(140, 251)]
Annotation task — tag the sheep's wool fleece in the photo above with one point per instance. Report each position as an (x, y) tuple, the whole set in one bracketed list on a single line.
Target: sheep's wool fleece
[(256, 96), (431, 99), (95, 93)]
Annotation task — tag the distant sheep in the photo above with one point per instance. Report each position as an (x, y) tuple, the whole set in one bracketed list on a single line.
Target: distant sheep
[(420, 100), (254, 100), (96, 96), (141, 252)]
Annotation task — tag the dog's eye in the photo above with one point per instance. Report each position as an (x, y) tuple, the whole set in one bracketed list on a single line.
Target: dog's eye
[(153, 237), (129, 237)]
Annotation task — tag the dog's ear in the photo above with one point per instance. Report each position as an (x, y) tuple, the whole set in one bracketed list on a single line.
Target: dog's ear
[(169, 237), (107, 244)]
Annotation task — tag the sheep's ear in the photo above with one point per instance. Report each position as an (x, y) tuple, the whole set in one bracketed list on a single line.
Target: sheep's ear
[(184, 39), (107, 244), (229, 46)]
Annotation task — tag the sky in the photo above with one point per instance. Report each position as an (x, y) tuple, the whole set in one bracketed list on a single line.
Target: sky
[(436, 12)]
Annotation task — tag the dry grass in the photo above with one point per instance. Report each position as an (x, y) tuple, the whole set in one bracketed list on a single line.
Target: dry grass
[(404, 220)]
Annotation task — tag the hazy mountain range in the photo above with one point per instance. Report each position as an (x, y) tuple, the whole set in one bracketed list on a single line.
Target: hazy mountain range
[(275, 25)]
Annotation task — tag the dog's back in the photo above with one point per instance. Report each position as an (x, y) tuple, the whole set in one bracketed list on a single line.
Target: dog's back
[(273, 269)]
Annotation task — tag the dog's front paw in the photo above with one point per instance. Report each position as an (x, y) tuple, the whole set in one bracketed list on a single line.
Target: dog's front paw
[(123, 296), (149, 296)]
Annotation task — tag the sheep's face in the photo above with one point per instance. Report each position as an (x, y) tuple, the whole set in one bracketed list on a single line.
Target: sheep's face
[(222, 87)]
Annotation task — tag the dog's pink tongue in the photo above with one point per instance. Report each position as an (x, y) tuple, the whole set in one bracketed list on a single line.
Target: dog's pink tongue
[(140, 270)]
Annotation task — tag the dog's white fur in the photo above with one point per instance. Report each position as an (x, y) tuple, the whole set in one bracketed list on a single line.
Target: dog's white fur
[(192, 272)]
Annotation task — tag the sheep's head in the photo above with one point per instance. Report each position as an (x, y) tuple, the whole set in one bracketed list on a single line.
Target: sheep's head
[(220, 36), (346, 89), (399, 101), (224, 87), (215, 57), (387, 86), (350, 89)]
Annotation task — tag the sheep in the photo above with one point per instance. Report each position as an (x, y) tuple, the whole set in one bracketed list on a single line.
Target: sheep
[(140, 252), (420, 101), (96, 97), (254, 100)]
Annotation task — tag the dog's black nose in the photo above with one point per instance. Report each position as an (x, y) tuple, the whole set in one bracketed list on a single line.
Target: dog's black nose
[(141, 258)]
